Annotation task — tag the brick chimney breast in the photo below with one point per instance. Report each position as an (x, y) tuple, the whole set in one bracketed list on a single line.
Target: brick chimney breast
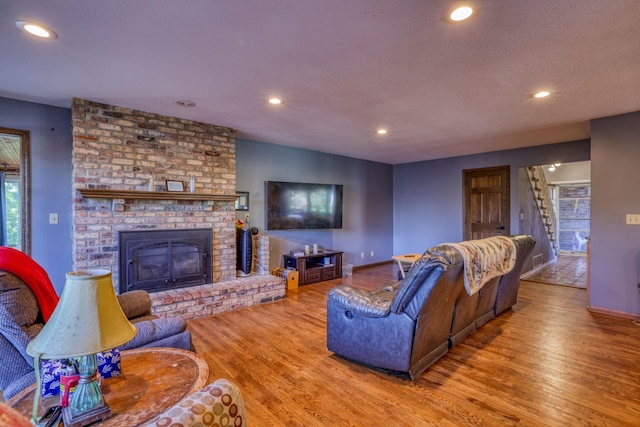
[(118, 148)]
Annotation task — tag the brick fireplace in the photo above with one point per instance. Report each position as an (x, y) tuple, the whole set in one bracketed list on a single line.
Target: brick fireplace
[(122, 159)]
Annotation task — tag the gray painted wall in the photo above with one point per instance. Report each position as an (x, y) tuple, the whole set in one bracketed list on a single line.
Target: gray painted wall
[(367, 222), (50, 133), (388, 210), (428, 196), (615, 180)]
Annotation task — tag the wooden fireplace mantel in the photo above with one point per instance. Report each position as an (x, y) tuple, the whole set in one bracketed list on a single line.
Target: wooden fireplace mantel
[(92, 193)]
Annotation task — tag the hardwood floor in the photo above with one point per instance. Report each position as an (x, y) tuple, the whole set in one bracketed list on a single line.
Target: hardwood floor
[(548, 361)]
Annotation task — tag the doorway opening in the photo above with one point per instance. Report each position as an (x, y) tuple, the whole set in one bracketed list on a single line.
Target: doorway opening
[(570, 193)]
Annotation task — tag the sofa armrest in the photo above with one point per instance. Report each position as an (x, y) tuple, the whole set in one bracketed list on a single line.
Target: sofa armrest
[(135, 303), (362, 302), (219, 403), (150, 331)]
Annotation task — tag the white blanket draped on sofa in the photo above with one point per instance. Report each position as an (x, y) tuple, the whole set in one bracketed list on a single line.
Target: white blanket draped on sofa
[(485, 259)]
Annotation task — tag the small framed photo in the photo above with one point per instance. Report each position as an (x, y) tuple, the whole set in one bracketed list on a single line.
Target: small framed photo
[(175, 186), (242, 201)]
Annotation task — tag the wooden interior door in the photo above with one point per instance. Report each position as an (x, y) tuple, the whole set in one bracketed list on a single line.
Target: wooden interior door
[(487, 202)]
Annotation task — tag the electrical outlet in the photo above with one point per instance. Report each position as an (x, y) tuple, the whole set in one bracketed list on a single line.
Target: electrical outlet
[(246, 218), (362, 255), (633, 219), (53, 218), (371, 253)]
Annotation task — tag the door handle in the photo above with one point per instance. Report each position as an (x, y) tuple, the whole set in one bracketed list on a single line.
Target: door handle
[(502, 227)]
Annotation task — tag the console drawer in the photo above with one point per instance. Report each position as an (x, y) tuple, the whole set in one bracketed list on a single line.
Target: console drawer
[(328, 273), (314, 275)]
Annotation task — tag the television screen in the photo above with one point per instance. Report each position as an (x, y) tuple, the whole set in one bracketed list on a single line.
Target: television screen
[(301, 206)]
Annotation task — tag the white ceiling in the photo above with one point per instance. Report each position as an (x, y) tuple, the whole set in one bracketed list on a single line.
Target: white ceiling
[(568, 173), (343, 67)]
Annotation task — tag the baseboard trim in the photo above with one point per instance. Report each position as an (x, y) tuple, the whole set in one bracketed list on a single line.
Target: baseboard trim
[(616, 313), (533, 271), (375, 264)]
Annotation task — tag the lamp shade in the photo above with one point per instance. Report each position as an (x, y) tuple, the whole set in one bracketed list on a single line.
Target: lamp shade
[(88, 319)]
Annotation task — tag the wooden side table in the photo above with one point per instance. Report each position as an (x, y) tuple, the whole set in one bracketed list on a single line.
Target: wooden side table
[(406, 259), (152, 380)]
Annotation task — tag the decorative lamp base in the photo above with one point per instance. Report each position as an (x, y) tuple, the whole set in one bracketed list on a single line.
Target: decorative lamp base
[(99, 413)]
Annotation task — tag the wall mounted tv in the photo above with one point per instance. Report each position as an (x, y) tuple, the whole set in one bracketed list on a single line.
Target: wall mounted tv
[(302, 206)]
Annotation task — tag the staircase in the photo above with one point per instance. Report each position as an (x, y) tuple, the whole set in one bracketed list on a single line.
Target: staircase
[(543, 198)]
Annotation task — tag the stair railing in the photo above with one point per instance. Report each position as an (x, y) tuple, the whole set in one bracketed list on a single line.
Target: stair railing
[(543, 198)]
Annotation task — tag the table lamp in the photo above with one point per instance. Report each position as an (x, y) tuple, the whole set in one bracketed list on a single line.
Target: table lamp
[(88, 319)]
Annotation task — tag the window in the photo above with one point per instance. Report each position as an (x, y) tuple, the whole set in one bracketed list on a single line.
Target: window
[(10, 210), (14, 189)]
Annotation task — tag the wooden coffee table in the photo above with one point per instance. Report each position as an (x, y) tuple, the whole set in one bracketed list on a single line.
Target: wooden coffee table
[(152, 380)]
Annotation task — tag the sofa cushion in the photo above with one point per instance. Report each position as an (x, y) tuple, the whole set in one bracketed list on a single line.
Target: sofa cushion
[(17, 301), (19, 321), (219, 403), (135, 304), (14, 365)]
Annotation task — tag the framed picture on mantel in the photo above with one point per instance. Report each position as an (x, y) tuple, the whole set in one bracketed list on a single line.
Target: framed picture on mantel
[(175, 186), (242, 201)]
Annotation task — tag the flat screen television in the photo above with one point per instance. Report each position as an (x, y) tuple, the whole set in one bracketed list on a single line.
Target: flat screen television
[(303, 206)]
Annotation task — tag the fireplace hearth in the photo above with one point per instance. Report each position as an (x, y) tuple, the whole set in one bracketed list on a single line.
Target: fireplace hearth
[(160, 260)]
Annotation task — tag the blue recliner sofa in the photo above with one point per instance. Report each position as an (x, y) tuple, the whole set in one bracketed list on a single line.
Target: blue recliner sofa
[(406, 326)]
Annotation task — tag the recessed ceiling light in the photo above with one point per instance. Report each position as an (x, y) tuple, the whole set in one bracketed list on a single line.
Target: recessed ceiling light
[(461, 13), (542, 94), (275, 101), (381, 131), (186, 103), (37, 29)]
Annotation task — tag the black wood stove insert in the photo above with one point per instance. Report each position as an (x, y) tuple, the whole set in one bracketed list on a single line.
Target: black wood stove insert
[(158, 260)]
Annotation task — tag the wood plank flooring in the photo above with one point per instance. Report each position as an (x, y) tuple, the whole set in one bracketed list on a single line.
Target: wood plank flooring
[(546, 362)]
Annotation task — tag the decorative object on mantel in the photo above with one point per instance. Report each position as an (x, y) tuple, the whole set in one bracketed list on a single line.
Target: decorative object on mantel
[(175, 186), (242, 200), (93, 193), (88, 319)]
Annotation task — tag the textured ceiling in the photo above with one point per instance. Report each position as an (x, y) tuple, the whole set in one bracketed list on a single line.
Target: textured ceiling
[(343, 68)]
